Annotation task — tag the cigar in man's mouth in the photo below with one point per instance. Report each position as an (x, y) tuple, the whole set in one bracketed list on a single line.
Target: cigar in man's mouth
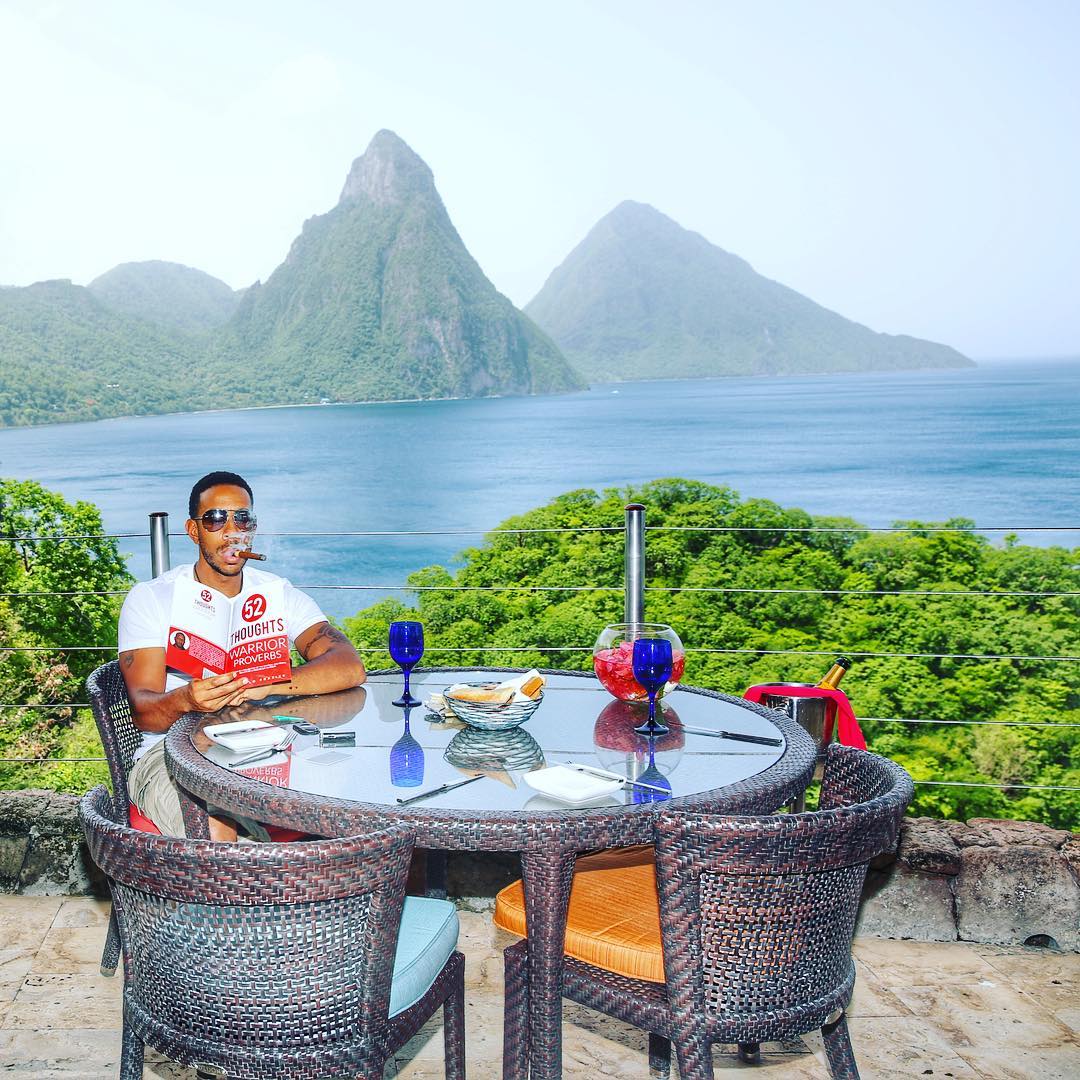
[(245, 554)]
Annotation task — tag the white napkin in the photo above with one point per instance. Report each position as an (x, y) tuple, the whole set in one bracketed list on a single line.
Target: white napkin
[(246, 735), (517, 682)]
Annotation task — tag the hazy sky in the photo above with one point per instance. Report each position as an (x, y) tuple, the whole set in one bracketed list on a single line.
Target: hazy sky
[(912, 165)]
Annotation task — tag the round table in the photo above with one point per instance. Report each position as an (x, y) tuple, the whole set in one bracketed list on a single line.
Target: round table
[(342, 790)]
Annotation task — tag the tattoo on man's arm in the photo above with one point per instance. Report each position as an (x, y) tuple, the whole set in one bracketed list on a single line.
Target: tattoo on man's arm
[(127, 659), (328, 633)]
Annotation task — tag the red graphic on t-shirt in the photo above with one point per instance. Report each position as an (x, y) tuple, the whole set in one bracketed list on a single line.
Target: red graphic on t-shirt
[(207, 596)]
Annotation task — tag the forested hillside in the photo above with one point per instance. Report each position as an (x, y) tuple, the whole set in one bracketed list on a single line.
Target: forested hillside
[(166, 293), (742, 636), (643, 298), (65, 356), (377, 300), (964, 666)]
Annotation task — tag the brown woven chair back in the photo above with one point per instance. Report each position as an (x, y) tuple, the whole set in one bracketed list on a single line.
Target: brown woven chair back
[(758, 913), (236, 951), (119, 735)]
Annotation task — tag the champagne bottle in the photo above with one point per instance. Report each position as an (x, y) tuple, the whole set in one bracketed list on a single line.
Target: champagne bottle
[(835, 674)]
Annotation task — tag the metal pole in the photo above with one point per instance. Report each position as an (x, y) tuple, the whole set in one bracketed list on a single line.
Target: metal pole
[(159, 544), (634, 565)]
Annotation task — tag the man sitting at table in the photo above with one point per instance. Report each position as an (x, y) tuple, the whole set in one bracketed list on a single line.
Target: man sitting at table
[(220, 523)]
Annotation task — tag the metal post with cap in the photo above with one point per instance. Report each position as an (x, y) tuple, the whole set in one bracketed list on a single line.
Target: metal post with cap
[(159, 543), (634, 565)]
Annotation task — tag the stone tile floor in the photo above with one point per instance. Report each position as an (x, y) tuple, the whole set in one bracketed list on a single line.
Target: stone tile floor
[(953, 1010)]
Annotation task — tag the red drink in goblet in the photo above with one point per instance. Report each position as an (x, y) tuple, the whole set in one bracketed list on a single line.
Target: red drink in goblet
[(614, 668)]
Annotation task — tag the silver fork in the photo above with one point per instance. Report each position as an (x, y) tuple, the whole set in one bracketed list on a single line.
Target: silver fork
[(286, 742)]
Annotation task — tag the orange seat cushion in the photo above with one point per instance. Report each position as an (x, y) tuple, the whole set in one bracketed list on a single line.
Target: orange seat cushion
[(613, 921)]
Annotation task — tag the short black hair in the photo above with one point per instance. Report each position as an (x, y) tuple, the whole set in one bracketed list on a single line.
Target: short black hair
[(213, 479)]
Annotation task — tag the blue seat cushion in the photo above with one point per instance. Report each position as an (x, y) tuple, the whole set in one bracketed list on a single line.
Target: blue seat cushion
[(428, 935)]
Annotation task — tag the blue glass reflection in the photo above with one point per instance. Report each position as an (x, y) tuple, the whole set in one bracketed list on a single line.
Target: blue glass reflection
[(653, 776), (406, 758)]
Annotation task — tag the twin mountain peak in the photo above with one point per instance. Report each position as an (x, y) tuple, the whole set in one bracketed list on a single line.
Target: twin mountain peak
[(379, 299)]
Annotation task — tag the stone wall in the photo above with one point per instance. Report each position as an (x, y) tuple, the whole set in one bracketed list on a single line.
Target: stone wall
[(42, 852), (1003, 882)]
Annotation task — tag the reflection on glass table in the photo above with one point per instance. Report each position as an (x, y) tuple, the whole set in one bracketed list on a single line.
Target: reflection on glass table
[(577, 722), (407, 758)]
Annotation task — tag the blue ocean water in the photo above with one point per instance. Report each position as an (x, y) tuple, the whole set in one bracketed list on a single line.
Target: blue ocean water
[(999, 444)]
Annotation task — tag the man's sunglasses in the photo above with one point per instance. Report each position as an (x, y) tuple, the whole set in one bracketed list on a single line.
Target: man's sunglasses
[(214, 520)]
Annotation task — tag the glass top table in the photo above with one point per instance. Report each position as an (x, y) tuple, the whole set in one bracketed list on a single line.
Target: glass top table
[(342, 790), (400, 752)]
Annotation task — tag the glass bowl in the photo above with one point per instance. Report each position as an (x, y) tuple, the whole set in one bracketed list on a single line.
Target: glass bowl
[(489, 716), (613, 658)]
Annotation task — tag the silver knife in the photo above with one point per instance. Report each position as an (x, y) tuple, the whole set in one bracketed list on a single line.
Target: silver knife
[(439, 790)]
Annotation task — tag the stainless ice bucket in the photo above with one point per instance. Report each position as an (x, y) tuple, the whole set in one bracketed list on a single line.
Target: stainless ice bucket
[(809, 714)]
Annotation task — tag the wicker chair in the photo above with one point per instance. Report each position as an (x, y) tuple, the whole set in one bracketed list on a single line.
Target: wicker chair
[(268, 960), (120, 739), (756, 917)]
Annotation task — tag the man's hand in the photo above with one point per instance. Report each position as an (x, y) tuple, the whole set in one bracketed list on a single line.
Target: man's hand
[(331, 664), (156, 710), (209, 695)]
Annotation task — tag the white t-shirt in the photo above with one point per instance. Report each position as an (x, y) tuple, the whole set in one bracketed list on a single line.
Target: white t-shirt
[(144, 620)]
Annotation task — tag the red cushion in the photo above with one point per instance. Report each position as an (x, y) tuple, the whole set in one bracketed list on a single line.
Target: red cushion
[(141, 822), (278, 834), (281, 835)]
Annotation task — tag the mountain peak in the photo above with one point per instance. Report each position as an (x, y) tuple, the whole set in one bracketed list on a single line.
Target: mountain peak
[(387, 172), (641, 297)]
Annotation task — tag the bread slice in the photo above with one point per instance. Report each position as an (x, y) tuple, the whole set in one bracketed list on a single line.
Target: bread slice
[(532, 687), (483, 694)]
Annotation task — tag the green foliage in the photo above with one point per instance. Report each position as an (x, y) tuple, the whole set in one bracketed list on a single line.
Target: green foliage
[(52, 629), (642, 298), (770, 555)]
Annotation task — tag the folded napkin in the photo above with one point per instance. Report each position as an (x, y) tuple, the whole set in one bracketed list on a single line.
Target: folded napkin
[(246, 736), (838, 709)]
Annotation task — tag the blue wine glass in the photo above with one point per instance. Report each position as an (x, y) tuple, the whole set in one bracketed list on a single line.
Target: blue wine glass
[(406, 648), (406, 758), (652, 668), (655, 778)]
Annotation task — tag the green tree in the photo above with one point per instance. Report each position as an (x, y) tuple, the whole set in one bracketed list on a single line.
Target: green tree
[(756, 599), (61, 594)]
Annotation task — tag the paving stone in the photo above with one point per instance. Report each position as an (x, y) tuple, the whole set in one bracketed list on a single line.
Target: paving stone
[(986, 1013), (919, 963), (65, 1052), (23, 923), (55, 1002), (83, 911), (71, 950), (889, 1047), (872, 998), (920, 1009)]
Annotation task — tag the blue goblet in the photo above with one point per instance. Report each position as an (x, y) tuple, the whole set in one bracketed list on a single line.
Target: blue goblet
[(655, 778), (652, 668), (406, 758), (406, 648)]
